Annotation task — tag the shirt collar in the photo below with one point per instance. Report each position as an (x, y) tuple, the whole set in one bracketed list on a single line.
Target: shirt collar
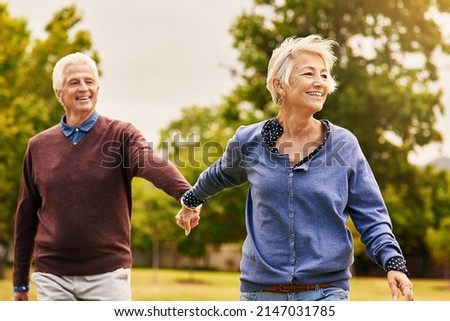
[(85, 127), (272, 130)]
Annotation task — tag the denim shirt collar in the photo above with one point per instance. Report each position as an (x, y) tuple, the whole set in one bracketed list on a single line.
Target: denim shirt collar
[(85, 127)]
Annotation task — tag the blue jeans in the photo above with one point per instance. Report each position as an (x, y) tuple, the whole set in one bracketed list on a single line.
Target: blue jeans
[(327, 294)]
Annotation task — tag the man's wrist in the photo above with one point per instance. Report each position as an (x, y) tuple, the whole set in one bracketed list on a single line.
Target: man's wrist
[(21, 288)]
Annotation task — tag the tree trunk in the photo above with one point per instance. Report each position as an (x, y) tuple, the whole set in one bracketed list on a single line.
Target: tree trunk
[(4, 246), (155, 259)]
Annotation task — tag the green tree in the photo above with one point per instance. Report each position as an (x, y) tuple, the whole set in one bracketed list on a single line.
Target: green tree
[(387, 95), (194, 142), (437, 236), (14, 39), (27, 101), (153, 222), (438, 241)]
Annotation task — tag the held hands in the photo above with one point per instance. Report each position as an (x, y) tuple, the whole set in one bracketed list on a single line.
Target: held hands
[(399, 281), (188, 218)]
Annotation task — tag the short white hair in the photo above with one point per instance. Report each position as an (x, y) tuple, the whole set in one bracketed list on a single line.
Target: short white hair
[(280, 64), (76, 58)]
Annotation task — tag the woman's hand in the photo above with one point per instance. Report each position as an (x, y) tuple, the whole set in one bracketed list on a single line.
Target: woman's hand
[(188, 218)]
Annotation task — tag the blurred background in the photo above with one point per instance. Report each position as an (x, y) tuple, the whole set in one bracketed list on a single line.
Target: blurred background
[(192, 71)]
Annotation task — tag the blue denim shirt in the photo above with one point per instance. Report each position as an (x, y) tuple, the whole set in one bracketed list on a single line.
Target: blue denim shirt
[(75, 134), (296, 216)]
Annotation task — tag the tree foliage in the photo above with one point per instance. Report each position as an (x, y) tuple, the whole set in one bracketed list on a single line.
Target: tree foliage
[(438, 241), (27, 101), (153, 215), (194, 142)]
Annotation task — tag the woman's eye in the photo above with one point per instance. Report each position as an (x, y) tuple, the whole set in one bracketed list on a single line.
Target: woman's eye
[(325, 76)]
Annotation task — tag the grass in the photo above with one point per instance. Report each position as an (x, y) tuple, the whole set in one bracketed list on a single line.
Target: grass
[(189, 285)]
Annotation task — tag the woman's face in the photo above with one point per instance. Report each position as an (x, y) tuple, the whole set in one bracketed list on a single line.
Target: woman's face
[(308, 83)]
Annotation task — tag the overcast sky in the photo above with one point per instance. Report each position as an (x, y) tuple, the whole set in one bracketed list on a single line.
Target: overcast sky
[(158, 56)]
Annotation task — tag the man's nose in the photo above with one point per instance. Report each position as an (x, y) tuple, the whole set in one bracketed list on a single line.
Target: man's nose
[(83, 85)]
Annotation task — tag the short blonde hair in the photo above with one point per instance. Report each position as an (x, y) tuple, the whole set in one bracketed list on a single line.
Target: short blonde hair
[(280, 64), (76, 58)]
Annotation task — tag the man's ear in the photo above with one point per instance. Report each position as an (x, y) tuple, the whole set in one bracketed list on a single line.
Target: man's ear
[(58, 95)]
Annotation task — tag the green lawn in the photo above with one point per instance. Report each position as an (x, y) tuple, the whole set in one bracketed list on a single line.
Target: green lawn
[(184, 285)]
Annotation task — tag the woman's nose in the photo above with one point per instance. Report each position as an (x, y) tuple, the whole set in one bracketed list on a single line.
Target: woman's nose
[(319, 81)]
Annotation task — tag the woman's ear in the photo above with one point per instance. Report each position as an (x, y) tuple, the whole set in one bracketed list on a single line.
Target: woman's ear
[(278, 85)]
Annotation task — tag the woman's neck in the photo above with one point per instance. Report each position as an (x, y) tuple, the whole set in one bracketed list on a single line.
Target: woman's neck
[(296, 126)]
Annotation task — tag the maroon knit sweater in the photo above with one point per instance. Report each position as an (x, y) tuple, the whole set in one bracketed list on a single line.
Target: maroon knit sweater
[(74, 210)]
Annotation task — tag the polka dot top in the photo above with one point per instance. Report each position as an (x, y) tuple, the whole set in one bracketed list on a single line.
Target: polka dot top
[(190, 200), (396, 263), (272, 130)]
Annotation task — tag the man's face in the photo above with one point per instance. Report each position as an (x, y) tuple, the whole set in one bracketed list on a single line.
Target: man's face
[(79, 92)]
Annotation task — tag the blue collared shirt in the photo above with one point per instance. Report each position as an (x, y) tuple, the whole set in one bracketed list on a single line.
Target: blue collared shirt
[(75, 134)]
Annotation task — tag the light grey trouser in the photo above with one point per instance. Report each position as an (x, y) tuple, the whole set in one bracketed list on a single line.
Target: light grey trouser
[(111, 286)]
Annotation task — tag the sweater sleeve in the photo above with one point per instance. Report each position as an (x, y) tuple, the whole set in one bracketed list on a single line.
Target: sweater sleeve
[(369, 213), (26, 222), (145, 162), (228, 171)]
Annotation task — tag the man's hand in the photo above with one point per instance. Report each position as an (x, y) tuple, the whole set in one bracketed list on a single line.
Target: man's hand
[(188, 218), (399, 281), (20, 296)]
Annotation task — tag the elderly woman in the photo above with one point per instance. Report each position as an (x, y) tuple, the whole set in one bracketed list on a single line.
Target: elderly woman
[(306, 177)]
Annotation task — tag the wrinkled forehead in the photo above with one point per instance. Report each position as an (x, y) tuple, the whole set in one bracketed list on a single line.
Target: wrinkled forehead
[(305, 59), (81, 70)]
